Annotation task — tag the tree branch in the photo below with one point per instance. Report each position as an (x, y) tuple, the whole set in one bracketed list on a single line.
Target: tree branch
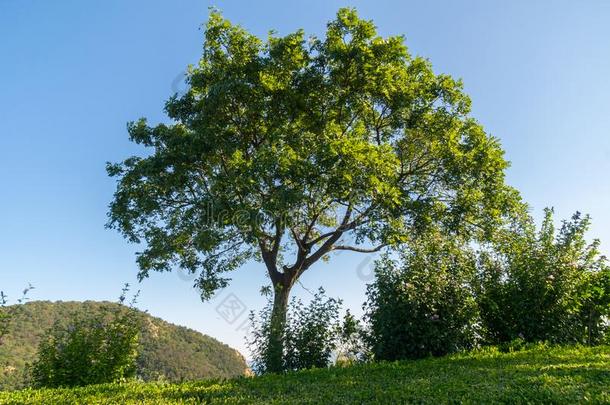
[(327, 245), (360, 250)]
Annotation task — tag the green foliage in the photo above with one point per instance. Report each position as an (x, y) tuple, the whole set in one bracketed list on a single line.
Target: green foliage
[(558, 375), (301, 136), (167, 352), (8, 313), (258, 339), (5, 316), (282, 148), (310, 336), (422, 304), (9, 375), (442, 296), (311, 333), (546, 286), (352, 346), (90, 350)]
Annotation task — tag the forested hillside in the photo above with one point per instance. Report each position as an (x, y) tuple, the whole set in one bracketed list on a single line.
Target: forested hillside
[(167, 351)]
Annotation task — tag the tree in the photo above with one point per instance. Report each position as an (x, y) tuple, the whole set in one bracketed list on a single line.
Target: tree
[(282, 149)]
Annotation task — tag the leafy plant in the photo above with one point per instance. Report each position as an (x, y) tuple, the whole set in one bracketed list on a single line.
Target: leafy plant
[(90, 350), (310, 336), (352, 346), (545, 286), (422, 303), (7, 313)]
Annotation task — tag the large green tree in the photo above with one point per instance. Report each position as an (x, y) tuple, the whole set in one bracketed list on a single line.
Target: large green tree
[(282, 149)]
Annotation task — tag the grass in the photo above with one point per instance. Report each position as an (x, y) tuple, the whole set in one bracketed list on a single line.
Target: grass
[(539, 375)]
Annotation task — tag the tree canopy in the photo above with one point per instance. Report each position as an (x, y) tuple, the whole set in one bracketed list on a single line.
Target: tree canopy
[(285, 145)]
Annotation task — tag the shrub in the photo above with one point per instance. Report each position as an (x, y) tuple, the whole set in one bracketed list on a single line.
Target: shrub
[(89, 350), (8, 374), (543, 286), (440, 295), (258, 338), (7, 313), (310, 336), (421, 303), (352, 341)]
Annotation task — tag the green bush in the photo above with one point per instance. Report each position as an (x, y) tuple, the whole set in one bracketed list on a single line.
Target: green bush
[(89, 350), (7, 313), (352, 346), (422, 303), (545, 286), (9, 375), (440, 295), (310, 336)]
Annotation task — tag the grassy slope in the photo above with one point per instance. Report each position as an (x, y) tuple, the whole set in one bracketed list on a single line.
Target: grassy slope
[(556, 375)]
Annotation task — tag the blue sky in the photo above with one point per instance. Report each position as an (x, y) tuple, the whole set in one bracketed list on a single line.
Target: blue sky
[(73, 73)]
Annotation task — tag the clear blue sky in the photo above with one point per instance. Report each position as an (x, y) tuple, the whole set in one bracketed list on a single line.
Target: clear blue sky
[(73, 73)]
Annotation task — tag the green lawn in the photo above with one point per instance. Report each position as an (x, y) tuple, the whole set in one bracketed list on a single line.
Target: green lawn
[(541, 375)]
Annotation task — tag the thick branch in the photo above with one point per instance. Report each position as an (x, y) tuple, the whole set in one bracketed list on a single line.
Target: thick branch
[(345, 226), (320, 238), (277, 240), (270, 254), (360, 250), (328, 244), (297, 239)]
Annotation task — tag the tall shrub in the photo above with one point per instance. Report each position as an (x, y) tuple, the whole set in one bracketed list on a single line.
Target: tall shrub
[(545, 285), (421, 303), (309, 338), (352, 342), (7, 312)]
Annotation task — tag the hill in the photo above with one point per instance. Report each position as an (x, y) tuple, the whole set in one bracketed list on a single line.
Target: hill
[(168, 352), (540, 375)]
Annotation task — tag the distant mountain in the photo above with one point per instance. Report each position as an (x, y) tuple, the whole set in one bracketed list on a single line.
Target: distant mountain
[(167, 352)]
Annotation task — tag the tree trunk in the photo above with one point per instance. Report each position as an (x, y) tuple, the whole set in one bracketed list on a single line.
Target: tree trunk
[(275, 348)]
